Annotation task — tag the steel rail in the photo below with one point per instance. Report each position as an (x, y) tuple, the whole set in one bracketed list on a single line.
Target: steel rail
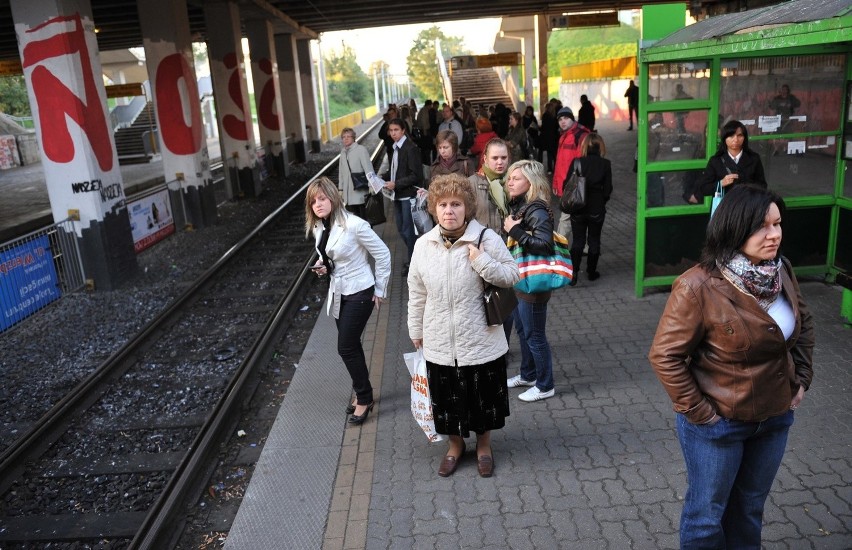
[(11, 459)]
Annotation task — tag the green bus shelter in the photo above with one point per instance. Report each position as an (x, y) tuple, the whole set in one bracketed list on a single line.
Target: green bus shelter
[(745, 66)]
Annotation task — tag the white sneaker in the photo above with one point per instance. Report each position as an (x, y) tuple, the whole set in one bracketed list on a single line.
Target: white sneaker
[(535, 394), (517, 382)]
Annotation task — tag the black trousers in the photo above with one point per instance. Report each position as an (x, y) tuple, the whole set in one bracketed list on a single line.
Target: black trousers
[(583, 225), (355, 311)]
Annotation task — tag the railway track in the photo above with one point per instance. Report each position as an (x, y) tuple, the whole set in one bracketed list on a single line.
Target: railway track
[(116, 461)]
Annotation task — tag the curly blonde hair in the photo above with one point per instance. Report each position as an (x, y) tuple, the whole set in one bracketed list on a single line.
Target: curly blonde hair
[(452, 185)]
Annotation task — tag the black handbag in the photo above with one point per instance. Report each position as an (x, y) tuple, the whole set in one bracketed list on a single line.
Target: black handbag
[(499, 302), (374, 209), (359, 179), (574, 194)]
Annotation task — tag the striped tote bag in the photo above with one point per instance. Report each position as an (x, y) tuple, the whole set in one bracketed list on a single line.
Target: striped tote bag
[(543, 273)]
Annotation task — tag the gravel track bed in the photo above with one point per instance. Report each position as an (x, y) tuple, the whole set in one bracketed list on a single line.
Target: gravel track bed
[(48, 354)]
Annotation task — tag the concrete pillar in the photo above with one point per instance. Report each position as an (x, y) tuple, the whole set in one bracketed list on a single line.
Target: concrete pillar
[(291, 93), (267, 93), (541, 56), (59, 55), (309, 88), (183, 146), (230, 90)]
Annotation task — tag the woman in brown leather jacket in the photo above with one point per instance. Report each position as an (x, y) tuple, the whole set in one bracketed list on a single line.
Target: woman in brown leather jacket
[(734, 351)]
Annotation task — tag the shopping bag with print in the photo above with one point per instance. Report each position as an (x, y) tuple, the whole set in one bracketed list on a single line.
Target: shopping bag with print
[(421, 400)]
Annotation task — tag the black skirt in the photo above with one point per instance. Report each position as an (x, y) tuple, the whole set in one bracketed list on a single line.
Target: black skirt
[(473, 398)]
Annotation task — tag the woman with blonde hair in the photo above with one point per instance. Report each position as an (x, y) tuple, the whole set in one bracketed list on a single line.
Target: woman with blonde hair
[(465, 358), (530, 223), (354, 159), (344, 242)]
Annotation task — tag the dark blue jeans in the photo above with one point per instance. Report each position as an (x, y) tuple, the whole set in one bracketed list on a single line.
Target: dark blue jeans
[(405, 224), (730, 467), (355, 311), (536, 361)]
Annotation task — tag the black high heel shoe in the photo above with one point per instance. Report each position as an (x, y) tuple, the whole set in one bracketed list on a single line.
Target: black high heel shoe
[(357, 420), (350, 408)]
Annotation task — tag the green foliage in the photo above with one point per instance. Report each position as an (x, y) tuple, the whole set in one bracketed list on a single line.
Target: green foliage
[(346, 81), (13, 96), (422, 64), (570, 47)]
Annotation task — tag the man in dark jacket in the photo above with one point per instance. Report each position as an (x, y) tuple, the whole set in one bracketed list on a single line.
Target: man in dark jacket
[(406, 174), (586, 115)]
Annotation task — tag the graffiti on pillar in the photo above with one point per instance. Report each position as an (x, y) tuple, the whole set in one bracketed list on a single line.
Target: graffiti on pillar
[(65, 36), (179, 136), (265, 114), (235, 126)]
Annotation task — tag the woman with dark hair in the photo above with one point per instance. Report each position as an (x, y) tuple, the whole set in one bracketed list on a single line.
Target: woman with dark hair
[(734, 351), (449, 161), (517, 136), (345, 244), (588, 222), (549, 136), (733, 163), (465, 358)]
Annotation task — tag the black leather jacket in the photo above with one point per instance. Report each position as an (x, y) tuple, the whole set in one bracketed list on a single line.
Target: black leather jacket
[(535, 232)]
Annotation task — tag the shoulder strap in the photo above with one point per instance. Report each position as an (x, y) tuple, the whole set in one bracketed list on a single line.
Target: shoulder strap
[(481, 234), (577, 167)]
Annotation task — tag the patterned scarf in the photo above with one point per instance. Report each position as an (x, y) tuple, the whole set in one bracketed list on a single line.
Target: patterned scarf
[(446, 164), (761, 281), (451, 237)]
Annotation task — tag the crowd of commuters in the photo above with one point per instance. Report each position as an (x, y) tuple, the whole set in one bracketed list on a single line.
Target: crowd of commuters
[(507, 187)]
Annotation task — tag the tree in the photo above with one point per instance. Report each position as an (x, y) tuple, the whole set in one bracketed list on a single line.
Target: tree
[(422, 61), (13, 96), (347, 83)]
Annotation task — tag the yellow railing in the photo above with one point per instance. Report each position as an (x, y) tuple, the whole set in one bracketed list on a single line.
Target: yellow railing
[(349, 121), (622, 67)]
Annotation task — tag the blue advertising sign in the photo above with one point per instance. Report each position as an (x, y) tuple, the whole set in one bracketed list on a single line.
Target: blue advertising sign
[(28, 280)]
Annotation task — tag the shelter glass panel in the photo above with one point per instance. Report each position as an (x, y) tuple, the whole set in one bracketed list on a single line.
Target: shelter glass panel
[(783, 95), (806, 232), (677, 135), (799, 166), (673, 245), (843, 256), (672, 188), (847, 181), (678, 80)]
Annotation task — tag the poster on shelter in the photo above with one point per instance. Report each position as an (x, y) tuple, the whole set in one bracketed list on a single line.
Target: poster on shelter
[(28, 280), (151, 220)]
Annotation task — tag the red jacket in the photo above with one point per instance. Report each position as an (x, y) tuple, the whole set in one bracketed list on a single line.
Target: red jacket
[(566, 152), (478, 146)]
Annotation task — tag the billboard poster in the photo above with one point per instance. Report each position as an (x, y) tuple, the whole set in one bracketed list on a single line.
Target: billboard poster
[(151, 220), (28, 280)]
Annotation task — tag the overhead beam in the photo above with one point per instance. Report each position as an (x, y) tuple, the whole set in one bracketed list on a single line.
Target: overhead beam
[(284, 18)]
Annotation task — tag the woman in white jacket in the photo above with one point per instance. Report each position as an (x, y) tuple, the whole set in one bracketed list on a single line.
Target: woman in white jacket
[(354, 159), (344, 243), (465, 358)]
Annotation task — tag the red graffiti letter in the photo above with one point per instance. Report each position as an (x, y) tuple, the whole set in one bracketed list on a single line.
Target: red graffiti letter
[(178, 137), (267, 98), (56, 101), (234, 126)]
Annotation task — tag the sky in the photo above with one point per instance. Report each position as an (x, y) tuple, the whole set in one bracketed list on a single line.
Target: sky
[(374, 44)]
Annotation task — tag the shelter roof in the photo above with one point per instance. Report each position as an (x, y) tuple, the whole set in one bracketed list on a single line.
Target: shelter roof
[(795, 11)]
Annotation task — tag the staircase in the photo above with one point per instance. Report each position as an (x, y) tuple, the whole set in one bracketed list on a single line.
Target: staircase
[(479, 87), (129, 141)]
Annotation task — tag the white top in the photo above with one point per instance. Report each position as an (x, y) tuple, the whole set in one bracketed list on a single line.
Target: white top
[(782, 313)]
